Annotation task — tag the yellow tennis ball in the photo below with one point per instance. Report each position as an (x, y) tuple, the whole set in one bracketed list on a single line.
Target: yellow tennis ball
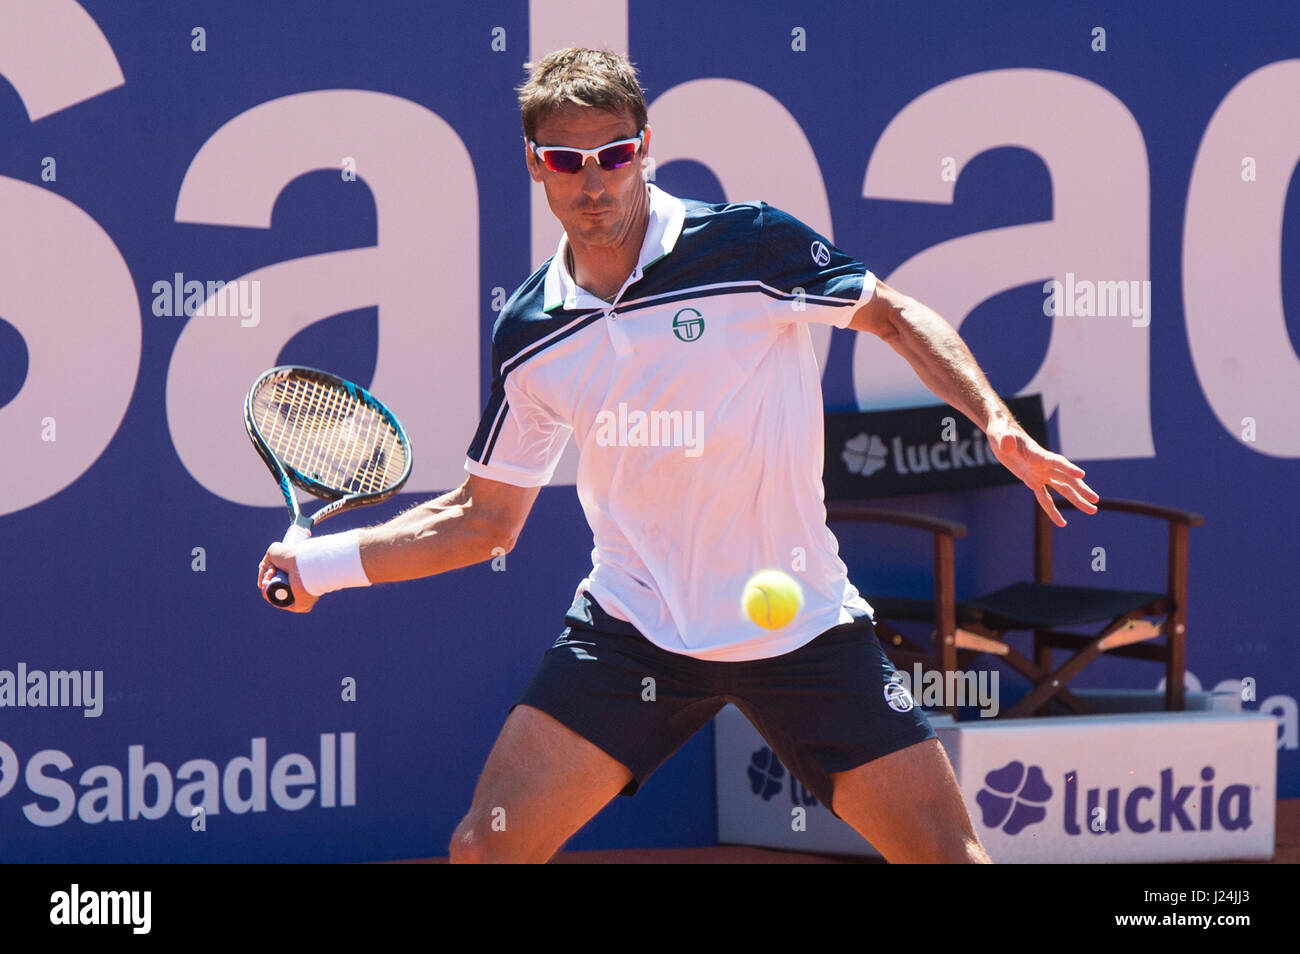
[(772, 599)]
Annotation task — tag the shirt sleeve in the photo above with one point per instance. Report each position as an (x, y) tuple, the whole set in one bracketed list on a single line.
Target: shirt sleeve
[(519, 441), (810, 278)]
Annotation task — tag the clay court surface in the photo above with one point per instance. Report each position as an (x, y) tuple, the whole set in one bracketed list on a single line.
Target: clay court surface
[(1287, 851)]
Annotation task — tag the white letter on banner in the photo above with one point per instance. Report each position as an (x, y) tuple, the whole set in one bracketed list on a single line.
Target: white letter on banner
[(1096, 156), (423, 275), (1232, 251), (704, 119), (552, 25), (63, 283)]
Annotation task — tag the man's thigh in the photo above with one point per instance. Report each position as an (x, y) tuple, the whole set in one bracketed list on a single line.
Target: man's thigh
[(908, 805), (602, 711), (829, 706), (635, 702), (542, 782)]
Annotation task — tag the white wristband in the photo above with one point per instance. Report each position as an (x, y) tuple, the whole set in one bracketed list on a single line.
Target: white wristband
[(331, 562)]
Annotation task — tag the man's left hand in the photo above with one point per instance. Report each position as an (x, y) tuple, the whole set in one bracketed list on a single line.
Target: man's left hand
[(1040, 469)]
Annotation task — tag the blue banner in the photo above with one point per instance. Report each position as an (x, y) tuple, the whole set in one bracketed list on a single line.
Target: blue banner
[(1098, 196)]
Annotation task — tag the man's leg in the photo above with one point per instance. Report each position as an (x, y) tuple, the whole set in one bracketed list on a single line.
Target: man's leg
[(542, 782), (908, 805), (831, 713)]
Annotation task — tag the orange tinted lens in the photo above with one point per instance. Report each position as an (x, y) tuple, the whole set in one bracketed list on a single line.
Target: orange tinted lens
[(616, 156), (562, 160)]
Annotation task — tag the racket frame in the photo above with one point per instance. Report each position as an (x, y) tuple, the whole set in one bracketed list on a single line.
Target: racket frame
[(287, 476)]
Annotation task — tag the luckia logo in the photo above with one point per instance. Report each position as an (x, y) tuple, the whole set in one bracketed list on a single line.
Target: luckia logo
[(1014, 797), (1017, 795), (865, 454), (688, 325), (767, 779)]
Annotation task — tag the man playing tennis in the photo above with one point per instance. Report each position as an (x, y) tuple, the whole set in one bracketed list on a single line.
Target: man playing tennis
[(655, 309)]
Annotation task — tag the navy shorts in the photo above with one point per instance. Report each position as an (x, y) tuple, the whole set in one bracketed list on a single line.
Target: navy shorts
[(822, 708)]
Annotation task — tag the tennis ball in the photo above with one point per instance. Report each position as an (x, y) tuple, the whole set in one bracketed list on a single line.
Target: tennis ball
[(771, 599)]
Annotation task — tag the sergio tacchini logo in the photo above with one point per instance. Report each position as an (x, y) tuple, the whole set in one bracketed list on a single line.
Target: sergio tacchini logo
[(688, 325)]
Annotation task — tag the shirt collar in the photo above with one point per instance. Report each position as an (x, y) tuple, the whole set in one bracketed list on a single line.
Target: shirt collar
[(667, 213)]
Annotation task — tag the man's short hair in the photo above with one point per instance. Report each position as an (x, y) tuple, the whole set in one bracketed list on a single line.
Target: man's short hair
[(595, 78)]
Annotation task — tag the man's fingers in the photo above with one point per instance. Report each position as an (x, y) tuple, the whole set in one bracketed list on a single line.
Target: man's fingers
[(1070, 468), (1069, 490), (1048, 505), (1010, 441), (263, 569), (277, 559), (1087, 502), (1078, 493), (266, 569), (1040, 469), (280, 557)]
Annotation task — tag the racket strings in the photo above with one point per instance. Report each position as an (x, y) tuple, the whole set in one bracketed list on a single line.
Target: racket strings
[(330, 408), (328, 435)]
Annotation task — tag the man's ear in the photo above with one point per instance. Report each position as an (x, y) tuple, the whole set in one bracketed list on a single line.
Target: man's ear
[(530, 160), (647, 163)]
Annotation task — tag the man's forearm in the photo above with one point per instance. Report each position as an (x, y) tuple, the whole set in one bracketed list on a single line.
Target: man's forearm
[(944, 363), (440, 535)]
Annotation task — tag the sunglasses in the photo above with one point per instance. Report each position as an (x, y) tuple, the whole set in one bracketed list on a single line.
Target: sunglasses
[(567, 160)]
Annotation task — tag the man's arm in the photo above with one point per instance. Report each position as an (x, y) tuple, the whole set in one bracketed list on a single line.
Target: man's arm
[(460, 528), (943, 362)]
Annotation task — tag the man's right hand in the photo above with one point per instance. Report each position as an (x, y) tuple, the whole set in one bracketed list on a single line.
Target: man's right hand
[(280, 556)]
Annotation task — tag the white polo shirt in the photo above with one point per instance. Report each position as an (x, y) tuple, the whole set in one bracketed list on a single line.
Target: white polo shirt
[(696, 402)]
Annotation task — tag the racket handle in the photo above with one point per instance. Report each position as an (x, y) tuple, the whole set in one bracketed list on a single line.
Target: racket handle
[(278, 591)]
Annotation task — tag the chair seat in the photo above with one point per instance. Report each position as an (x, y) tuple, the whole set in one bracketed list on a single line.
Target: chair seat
[(1085, 622), (903, 607), (1049, 605)]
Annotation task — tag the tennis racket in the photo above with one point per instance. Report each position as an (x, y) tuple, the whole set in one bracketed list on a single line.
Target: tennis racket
[(328, 436)]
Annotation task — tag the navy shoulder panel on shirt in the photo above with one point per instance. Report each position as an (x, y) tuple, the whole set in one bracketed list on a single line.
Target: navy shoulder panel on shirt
[(751, 243), (794, 256), (721, 244), (718, 245), (524, 323)]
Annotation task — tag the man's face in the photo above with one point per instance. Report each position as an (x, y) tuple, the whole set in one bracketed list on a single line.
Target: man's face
[(597, 207)]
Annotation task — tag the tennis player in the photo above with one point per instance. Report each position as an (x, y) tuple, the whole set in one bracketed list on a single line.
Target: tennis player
[(670, 339)]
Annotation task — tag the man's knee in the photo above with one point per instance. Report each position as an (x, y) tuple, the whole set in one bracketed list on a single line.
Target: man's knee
[(466, 847), (908, 805), (953, 847), (477, 842), (973, 853)]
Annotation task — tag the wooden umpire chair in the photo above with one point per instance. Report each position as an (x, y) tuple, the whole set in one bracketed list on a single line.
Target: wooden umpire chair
[(1132, 622)]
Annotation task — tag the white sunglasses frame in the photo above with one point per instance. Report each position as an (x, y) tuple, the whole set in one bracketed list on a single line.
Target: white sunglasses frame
[(639, 139)]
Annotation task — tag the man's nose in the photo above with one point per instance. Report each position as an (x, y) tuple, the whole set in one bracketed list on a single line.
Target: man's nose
[(593, 184)]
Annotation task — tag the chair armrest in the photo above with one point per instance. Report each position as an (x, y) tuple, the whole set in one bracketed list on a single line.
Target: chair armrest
[(853, 510), (943, 533), (1144, 509)]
